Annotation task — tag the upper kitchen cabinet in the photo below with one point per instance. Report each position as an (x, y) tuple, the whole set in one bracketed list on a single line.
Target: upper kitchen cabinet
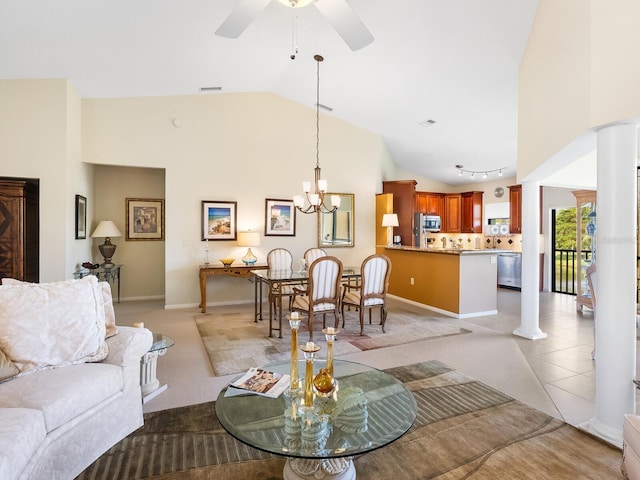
[(515, 209), (452, 222), (472, 212), (430, 203), (404, 198)]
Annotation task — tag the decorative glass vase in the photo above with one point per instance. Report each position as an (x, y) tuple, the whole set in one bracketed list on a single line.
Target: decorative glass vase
[(325, 382), (309, 350), (294, 380)]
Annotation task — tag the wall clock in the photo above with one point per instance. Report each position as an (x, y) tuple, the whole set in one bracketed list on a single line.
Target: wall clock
[(498, 192)]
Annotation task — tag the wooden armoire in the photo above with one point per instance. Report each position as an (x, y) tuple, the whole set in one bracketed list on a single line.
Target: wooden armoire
[(19, 229)]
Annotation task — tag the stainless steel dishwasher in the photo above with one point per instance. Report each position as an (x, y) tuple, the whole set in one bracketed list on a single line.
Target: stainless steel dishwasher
[(510, 270)]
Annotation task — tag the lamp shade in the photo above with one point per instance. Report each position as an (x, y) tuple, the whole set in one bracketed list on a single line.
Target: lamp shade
[(106, 228), (390, 220), (249, 239)]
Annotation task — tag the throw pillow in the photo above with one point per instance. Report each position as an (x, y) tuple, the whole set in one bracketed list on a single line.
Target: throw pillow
[(105, 289), (7, 368), (52, 324), (109, 312)]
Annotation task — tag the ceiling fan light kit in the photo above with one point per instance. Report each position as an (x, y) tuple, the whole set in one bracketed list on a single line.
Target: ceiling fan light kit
[(337, 12)]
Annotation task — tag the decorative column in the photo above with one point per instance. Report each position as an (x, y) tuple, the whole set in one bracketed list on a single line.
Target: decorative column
[(530, 294), (615, 317)]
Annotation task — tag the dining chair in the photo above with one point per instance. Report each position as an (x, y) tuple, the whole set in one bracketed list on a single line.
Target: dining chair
[(323, 292), (313, 254), (372, 291), (280, 259)]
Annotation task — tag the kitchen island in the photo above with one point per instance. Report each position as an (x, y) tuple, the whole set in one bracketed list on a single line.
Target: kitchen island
[(457, 282)]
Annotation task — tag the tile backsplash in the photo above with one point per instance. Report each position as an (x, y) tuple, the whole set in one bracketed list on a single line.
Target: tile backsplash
[(478, 241)]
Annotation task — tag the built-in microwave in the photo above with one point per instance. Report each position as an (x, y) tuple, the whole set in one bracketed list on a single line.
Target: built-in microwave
[(431, 223)]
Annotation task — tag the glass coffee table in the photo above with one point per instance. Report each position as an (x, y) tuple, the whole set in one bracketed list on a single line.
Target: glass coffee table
[(369, 410)]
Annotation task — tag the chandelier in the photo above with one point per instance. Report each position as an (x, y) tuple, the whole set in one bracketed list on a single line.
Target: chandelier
[(315, 200)]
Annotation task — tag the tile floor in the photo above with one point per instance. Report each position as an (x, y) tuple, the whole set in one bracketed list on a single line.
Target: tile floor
[(555, 375)]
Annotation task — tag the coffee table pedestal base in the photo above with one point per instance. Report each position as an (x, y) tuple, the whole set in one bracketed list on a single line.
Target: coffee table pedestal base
[(329, 469)]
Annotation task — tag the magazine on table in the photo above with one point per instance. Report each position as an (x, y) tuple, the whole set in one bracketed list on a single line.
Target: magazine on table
[(262, 382)]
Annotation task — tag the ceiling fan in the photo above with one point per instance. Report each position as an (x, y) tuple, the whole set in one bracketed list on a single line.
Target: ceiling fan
[(338, 12)]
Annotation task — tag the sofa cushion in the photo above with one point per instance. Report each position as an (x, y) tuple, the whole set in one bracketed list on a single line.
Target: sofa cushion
[(109, 312), (7, 367), (21, 433), (62, 394), (52, 324)]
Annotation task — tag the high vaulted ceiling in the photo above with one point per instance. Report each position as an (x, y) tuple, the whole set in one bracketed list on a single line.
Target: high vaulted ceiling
[(451, 61)]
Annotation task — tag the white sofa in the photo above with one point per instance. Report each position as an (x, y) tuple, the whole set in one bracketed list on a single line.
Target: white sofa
[(72, 378)]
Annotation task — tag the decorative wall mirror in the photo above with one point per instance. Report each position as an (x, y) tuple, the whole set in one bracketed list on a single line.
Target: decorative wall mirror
[(337, 229)]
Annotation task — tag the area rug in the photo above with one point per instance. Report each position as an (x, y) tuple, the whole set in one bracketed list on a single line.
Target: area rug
[(464, 430), (235, 343)]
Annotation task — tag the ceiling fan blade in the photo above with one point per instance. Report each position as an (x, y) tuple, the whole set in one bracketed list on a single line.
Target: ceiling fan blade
[(241, 18), (345, 21)]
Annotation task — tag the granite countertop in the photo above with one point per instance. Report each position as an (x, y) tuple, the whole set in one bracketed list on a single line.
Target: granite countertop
[(451, 251)]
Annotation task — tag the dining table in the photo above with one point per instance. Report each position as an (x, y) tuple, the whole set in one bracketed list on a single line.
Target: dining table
[(276, 279)]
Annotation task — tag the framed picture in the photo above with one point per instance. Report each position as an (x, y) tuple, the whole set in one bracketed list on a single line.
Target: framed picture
[(145, 219), (81, 217), (219, 220), (280, 218)]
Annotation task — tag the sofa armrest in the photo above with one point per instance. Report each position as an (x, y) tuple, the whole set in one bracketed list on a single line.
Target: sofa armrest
[(128, 345)]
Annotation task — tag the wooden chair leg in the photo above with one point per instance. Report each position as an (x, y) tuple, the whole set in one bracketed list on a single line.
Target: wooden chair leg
[(383, 316), (361, 320)]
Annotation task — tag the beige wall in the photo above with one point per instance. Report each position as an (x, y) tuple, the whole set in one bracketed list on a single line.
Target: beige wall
[(579, 71), (142, 271), (238, 147), (40, 123)]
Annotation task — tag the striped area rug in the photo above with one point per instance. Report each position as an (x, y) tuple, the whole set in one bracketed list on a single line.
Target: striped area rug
[(464, 429)]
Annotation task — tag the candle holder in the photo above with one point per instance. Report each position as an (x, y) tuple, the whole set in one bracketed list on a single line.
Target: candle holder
[(309, 350), (294, 380), (325, 382)]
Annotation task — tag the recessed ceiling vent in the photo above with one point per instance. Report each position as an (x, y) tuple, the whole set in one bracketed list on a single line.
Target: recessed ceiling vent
[(210, 89)]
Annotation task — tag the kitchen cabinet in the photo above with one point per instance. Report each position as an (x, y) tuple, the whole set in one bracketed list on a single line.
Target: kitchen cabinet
[(452, 222), (19, 230), (430, 203), (585, 244), (471, 221), (515, 209), (404, 198)]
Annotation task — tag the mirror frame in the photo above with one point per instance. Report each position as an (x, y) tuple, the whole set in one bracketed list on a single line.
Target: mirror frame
[(351, 222)]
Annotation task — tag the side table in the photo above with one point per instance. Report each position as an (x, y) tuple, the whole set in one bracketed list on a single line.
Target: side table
[(105, 274), (149, 383)]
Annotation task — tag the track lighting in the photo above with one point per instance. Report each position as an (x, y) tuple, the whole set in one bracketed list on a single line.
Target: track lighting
[(472, 173)]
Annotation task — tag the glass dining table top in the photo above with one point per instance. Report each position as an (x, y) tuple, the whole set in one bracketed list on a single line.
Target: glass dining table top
[(369, 409), (294, 274)]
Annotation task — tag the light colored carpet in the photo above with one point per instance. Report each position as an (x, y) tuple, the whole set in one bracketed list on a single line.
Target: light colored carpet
[(464, 430), (235, 343)]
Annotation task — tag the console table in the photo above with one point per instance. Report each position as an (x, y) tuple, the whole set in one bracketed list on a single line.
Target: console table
[(240, 271), (104, 274)]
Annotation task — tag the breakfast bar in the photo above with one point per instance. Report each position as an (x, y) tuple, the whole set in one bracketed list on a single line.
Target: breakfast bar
[(457, 282)]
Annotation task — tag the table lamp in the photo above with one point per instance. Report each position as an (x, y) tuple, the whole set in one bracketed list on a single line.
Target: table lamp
[(390, 220), (107, 229), (249, 239)]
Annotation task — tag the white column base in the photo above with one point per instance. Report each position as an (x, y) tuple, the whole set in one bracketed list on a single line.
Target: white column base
[(530, 335), (329, 468), (610, 435)]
